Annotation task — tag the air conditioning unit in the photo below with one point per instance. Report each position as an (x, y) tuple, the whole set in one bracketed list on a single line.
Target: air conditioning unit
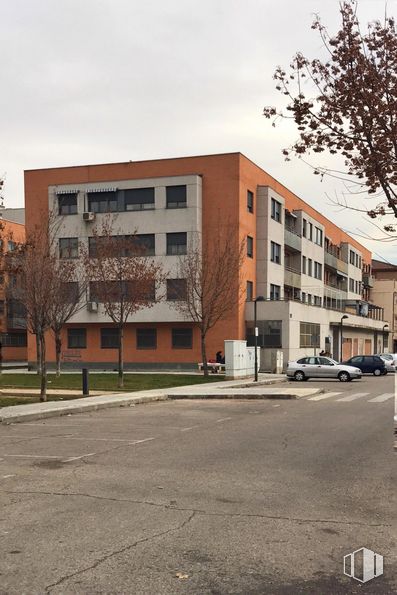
[(88, 216), (92, 306)]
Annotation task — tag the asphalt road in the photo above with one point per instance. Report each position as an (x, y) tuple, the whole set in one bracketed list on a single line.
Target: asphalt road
[(202, 497)]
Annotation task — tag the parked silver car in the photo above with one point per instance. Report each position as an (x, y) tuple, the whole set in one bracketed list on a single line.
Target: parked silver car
[(390, 361), (321, 367)]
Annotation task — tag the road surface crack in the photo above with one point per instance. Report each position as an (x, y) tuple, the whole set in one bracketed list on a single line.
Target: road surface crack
[(122, 550), (199, 511)]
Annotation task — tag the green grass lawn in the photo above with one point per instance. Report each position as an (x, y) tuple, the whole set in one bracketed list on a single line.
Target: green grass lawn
[(107, 382), (8, 401)]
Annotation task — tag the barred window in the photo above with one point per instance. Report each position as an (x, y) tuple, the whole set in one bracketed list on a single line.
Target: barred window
[(309, 334)]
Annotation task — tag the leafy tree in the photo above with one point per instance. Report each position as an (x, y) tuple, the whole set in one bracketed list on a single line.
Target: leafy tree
[(346, 105)]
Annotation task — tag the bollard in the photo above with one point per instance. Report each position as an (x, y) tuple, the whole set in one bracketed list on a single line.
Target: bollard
[(86, 389)]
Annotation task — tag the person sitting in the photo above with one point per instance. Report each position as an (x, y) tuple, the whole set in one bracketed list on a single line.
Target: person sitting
[(220, 359)]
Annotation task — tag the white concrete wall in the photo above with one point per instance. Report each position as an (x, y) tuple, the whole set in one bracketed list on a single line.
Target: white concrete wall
[(311, 285)]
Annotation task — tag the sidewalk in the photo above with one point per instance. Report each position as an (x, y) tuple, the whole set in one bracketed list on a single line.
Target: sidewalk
[(237, 389)]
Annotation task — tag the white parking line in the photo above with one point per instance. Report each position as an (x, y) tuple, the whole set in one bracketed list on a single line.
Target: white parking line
[(141, 441), (218, 421), (353, 397), (7, 476), (321, 397), (70, 459), (98, 439), (381, 398), (188, 429)]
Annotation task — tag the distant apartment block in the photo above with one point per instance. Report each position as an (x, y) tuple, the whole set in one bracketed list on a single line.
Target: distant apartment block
[(309, 272)]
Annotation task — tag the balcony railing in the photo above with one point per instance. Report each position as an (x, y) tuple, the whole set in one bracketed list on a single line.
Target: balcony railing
[(292, 238)]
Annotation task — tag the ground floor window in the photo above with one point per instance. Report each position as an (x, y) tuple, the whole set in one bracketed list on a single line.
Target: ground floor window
[(269, 333), (77, 338), (182, 338), (146, 338), (309, 334), (14, 340), (109, 338)]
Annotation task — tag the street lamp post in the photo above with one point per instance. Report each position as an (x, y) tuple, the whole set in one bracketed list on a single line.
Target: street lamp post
[(341, 335), (384, 335), (259, 298)]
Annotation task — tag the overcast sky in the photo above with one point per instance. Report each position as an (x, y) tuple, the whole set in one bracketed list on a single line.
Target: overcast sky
[(91, 81)]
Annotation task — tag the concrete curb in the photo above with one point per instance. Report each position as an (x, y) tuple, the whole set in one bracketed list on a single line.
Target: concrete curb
[(246, 396), (9, 415)]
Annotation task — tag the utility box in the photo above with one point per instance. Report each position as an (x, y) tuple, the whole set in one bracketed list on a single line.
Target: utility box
[(239, 359)]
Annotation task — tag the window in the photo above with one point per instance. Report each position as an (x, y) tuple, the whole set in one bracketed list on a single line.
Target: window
[(70, 292), (109, 338), (67, 204), (304, 265), (351, 257), (68, 248), (351, 285), (276, 210), (250, 291), (309, 298), (1, 306), (319, 236), (146, 338), (14, 340), (11, 246), (176, 197), (77, 338), (275, 252), (182, 338), (303, 296), (113, 291), (139, 199), (143, 243), (317, 300), (318, 270), (269, 333), (309, 334), (274, 292), (103, 202), (304, 228), (250, 201), (311, 232), (310, 267), (176, 289), (177, 243), (250, 246)]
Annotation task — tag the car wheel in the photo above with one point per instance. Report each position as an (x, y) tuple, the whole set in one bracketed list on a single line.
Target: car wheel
[(377, 372), (299, 376), (344, 376)]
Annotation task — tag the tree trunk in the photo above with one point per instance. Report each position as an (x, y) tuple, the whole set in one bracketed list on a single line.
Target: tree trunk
[(43, 382), (1, 357), (58, 350), (204, 354), (121, 357), (38, 354)]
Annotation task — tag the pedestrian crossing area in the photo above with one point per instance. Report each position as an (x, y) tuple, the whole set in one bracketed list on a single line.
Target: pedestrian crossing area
[(339, 398)]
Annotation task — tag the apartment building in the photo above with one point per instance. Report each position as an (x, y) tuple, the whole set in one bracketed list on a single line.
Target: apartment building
[(12, 313), (308, 271), (383, 291)]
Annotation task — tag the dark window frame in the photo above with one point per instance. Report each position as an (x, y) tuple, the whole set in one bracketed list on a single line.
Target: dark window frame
[(68, 248), (275, 210), (112, 334), (140, 332), (250, 201), (180, 331), (82, 339), (67, 204), (275, 252), (179, 293), (139, 202), (176, 202), (179, 247), (250, 246)]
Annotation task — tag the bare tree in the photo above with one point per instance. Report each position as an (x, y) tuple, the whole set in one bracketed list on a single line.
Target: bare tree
[(347, 105), (122, 276), (34, 265), (212, 274), (68, 297)]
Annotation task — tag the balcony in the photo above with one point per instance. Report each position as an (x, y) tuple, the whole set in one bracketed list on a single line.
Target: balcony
[(332, 261), (335, 292), (292, 276), (292, 239), (368, 280)]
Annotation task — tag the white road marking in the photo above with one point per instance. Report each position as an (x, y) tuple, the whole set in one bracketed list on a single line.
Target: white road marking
[(7, 476), (188, 429), (381, 398), (140, 441), (353, 397), (218, 421), (70, 459), (321, 397), (98, 439)]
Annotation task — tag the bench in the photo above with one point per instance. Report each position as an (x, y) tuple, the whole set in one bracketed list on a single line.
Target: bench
[(213, 367)]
